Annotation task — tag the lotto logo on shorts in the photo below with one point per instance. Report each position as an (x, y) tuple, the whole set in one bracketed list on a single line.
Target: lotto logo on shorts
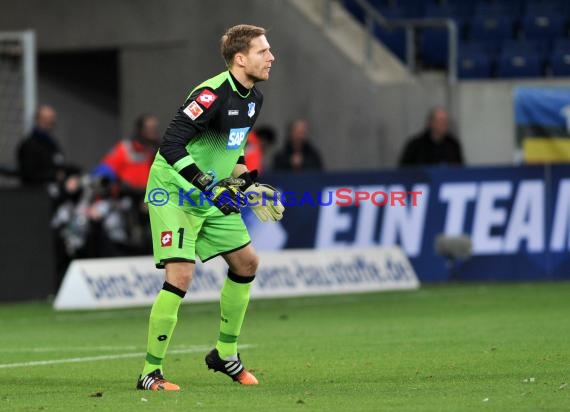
[(166, 239)]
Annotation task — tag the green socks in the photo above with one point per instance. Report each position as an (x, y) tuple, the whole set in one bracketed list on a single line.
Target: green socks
[(233, 304), (164, 314), (163, 317)]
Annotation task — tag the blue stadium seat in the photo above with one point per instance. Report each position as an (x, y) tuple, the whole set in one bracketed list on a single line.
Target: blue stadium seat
[(520, 59), (474, 61), (434, 41), (461, 8), (434, 47), (561, 43), (543, 26), (539, 47), (559, 59), (412, 8), (537, 7), (491, 30), (512, 9), (559, 62), (394, 39)]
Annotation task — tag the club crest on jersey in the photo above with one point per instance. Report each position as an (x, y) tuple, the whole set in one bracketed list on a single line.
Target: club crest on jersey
[(166, 239), (193, 110), (206, 98), (251, 109), (236, 137)]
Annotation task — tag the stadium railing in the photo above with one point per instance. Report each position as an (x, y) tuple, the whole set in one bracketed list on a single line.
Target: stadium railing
[(411, 26)]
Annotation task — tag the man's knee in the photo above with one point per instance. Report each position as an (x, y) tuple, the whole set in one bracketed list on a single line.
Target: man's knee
[(179, 274), (247, 265), (252, 263)]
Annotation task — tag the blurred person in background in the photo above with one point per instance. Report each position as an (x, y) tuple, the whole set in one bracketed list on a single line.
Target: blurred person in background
[(258, 147), (298, 154), (129, 161), (124, 172), (39, 156), (435, 144), (267, 136), (65, 195), (253, 152), (103, 214), (89, 221)]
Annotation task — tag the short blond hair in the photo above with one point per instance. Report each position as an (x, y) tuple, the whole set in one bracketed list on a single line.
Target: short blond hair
[(237, 39)]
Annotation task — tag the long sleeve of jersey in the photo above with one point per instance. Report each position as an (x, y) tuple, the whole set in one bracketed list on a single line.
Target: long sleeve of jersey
[(191, 119)]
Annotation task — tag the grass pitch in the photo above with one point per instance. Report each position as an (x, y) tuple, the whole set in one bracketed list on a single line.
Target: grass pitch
[(446, 348)]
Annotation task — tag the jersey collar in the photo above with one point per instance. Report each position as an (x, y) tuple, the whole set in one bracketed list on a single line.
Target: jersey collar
[(237, 86)]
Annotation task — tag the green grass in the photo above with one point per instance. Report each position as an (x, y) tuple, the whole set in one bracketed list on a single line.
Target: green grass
[(446, 348)]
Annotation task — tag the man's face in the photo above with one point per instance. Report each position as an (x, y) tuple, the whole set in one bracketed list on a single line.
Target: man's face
[(46, 119), (258, 60), (149, 131), (299, 132), (439, 124)]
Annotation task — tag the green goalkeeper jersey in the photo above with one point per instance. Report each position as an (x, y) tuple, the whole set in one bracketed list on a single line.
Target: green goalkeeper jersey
[(210, 129)]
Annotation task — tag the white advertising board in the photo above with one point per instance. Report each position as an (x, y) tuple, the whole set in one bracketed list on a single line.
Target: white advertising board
[(134, 281)]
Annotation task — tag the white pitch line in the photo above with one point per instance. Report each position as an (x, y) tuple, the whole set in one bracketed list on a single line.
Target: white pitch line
[(101, 348), (70, 349), (104, 357)]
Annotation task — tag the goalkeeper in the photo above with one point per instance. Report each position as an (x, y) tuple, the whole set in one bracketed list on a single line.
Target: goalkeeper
[(202, 157)]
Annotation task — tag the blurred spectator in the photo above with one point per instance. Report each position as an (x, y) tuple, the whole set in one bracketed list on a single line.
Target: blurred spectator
[(267, 136), (254, 152), (259, 143), (40, 158), (89, 221), (120, 218), (103, 214), (435, 144), (65, 194), (129, 161), (298, 153)]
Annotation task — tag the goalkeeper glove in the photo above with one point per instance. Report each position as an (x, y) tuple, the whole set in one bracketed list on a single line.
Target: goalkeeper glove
[(224, 194), (264, 200)]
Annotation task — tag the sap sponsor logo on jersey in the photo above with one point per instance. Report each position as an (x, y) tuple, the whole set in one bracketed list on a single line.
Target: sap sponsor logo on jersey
[(236, 137), (193, 110), (233, 112), (206, 98), (501, 217)]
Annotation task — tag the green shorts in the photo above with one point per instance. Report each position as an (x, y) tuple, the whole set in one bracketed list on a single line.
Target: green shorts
[(178, 236)]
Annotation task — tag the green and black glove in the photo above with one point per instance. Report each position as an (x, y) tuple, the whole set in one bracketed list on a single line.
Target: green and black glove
[(224, 194)]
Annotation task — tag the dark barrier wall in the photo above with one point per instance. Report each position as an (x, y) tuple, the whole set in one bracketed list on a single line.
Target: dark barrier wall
[(26, 247), (517, 217)]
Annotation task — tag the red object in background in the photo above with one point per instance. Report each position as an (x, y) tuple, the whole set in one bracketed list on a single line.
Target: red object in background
[(130, 160), (254, 152)]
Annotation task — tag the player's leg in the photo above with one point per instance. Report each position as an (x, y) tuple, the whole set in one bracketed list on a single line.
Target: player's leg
[(227, 236), (174, 234), (234, 298), (162, 321)]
